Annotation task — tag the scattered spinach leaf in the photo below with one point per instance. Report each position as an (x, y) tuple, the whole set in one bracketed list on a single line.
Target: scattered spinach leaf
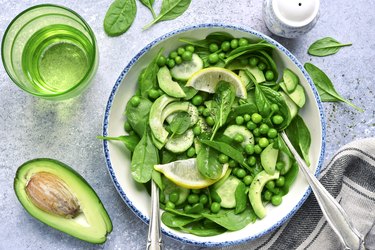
[(208, 162), (241, 198), (180, 123), (130, 141), (156, 177), (170, 9), (138, 116), (182, 213), (232, 221), (325, 47), (246, 50), (299, 136), (247, 108), (325, 87), (174, 220), (148, 4), (148, 77), (144, 158), (119, 17), (201, 229)]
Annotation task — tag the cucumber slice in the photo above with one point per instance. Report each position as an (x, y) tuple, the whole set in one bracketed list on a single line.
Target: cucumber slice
[(283, 157), (180, 143), (297, 96), (226, 192), (169, 86), (232, 130), (187, 68), (244, 77), (291, 80), (255, 192), (256, 73), (268, 159), (293, 108), (170, 187)]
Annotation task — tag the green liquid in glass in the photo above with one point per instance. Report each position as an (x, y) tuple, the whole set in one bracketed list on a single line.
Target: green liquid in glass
[(56, 58)]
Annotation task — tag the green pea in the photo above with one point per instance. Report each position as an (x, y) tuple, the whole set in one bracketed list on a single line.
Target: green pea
[(193, 198), (178, 60), (232, 163), (127, 127), (225, 46), (262, 66), (174, 196), (206, 112), (153, 93), (173, 54), (234, 43), (276, 190), (135, 101), (263, 128), (210, 121), (251, 125), (274, 107), (235, 170), (170, 63), (161, 61), (280, 181), (187, 56), (257, 139), (196, 191), (263, 142), (256, 132), (213, 47), (256, 118), (277, 119), (270, 185), (253, 61), (243, 42), (276, 200), (187, 208), (203, 199), (272, 133), (180, 50), (215, 207), (191, 152), (190, 48), (280, 165), (248, 179), (161, 92), (239, 120), (213, 58), (238, 138), (223, 158), (269, 75), (161, 197), (241, 173), (197, 100), (246, 117), (267, 195), (131, 132), (252, 160), (197, 130), (222, 55), (249, 149), (258, 149), (170, 205)]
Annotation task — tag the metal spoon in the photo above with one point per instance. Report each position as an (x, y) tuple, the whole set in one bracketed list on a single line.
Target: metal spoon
[(334, 213), (154, 239)]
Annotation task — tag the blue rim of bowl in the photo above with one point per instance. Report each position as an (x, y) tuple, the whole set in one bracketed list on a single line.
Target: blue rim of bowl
[(123, 195)]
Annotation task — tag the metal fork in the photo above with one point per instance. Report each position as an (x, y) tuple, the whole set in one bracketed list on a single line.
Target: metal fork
[(334, 213), (154, 239)]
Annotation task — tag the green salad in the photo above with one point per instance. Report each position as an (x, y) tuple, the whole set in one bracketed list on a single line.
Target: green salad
[(204, 124)]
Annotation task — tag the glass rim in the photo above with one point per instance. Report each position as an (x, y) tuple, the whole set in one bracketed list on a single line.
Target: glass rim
[(92, 63)]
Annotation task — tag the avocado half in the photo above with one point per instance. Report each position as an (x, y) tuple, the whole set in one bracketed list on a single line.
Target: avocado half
[(58, 196)]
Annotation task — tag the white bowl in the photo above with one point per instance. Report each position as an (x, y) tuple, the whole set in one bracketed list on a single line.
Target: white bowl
[(118, 160)]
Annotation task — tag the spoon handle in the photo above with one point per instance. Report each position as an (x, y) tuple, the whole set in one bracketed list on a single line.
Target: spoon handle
[(154, 239), (334, 213)]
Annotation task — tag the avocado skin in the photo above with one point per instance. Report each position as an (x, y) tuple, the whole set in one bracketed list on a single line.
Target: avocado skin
[(63, 171)]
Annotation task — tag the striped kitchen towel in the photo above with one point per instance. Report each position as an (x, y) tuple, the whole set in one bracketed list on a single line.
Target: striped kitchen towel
[(350, 178)]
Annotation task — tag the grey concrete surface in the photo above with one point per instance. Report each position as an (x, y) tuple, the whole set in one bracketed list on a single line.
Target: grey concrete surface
[(31, 127)]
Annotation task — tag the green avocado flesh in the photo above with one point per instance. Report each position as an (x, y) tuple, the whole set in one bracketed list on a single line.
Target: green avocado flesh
[(91, 223)]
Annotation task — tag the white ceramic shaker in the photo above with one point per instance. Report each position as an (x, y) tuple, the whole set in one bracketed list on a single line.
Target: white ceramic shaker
[(290, 18)]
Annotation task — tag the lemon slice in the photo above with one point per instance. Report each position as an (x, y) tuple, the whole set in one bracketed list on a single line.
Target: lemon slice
[(207, 79), (185, 173)]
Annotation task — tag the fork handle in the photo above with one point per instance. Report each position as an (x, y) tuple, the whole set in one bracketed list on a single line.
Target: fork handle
[(154, 239), (334, 213)]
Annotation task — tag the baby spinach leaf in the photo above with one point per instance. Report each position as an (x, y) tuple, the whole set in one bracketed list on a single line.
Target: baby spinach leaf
[(325, 47), (144, 158), (119, 17), (148, 4), (299, 135), (232, 221), (173, 220), (218, 37), (202, 229), (130, 141), (148, 78), (170, 9), (215, 37), (246, 50), (247, 108), (156, 177), (290, 177), (325, 87), (208, 164), (182, 213), (138, 116), (180, 123), (241, 198), (223, 99)]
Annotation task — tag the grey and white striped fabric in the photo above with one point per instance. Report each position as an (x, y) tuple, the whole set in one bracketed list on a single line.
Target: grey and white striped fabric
[(350, 178)]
